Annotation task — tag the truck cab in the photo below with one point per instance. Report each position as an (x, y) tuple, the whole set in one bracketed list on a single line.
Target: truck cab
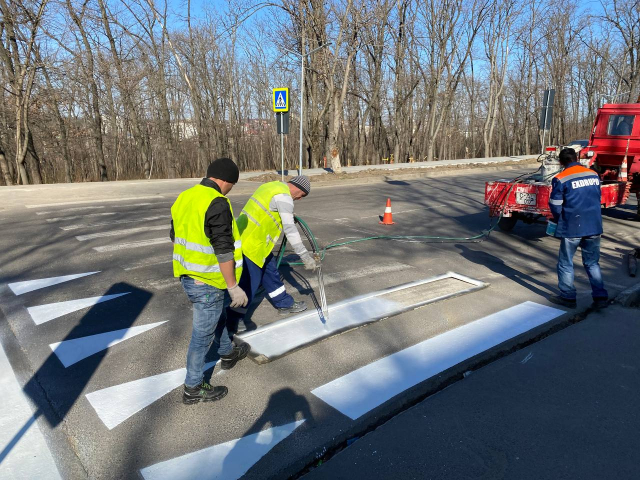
[(614, 136)]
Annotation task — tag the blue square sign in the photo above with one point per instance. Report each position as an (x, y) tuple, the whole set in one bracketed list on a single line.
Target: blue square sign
[(280, 99)]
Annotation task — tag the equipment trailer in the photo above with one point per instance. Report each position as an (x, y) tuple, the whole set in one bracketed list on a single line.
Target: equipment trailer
[(613, 151)]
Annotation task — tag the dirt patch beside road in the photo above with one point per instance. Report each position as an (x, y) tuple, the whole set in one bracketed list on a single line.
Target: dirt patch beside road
[(398, 172)]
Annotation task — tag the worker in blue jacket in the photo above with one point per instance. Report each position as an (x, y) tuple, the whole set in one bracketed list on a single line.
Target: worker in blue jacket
[(575, 205)]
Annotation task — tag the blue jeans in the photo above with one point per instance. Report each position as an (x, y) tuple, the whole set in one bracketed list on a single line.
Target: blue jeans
[(209, 304), (590, 247), (252, 277)]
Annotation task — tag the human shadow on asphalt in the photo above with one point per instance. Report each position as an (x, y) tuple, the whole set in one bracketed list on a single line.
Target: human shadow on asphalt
[(497, 265), (285, 406), (622, 212), (54, 389)]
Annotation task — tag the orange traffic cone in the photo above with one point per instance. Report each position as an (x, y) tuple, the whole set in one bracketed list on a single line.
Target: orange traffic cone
[(387, 219), (622, 173)]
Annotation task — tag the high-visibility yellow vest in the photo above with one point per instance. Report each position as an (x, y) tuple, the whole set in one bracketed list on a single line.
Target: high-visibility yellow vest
[(193, 254), (259, 227)]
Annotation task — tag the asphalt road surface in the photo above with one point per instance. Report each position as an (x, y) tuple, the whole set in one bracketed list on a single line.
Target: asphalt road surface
[(100, 355)]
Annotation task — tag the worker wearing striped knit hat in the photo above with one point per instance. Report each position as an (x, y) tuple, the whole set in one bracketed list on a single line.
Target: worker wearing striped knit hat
[(266, 216)]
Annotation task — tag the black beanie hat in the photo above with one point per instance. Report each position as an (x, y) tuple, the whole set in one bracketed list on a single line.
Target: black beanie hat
[(224, 169)]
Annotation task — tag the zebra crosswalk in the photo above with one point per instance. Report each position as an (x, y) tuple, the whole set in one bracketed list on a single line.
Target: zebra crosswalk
[(349, 395)]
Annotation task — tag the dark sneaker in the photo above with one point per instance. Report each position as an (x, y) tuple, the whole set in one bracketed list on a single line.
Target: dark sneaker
[(239, 352), (565, 302), (295, 308), (203, 393), (600, 303)]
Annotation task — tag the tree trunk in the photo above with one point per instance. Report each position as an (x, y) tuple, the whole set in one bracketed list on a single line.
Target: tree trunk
[(4, 167)]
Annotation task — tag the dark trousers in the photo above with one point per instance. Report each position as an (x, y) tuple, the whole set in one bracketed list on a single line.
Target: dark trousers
[(252, 278)]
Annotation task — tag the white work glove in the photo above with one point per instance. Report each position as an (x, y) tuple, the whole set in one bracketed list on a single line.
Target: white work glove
[(238, 297), (309, 262)]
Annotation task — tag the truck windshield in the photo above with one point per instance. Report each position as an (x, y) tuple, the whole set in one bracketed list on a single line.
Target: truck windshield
[(620, 124)]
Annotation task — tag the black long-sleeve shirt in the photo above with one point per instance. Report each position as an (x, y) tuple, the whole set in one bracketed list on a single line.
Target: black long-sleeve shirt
[(217, 225)]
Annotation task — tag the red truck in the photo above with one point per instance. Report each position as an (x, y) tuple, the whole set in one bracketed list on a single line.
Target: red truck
[(613, 151)]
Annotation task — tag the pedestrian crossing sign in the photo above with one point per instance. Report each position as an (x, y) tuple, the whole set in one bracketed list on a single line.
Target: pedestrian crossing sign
[(280, 99)]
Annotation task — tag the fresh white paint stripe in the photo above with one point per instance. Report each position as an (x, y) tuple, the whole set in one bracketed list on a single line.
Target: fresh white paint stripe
[(116, 404), (117, 233), (44, 313), (107, 200), (27, 454), (124, 246), (226, 461), (370, 386), (279, 338), (74, 217), (115, 222), (19, 288), (72, 351), (64, 210)]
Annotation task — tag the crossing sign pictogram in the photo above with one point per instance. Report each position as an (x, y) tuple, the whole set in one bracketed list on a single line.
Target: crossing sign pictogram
[(280, 99)]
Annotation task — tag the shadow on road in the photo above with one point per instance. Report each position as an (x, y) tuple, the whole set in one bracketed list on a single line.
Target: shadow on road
[(54, 389), (285, 407), (498, 266)]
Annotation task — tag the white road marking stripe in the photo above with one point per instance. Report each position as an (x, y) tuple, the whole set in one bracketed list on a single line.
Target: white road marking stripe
[(226, 461), (116, 404), (91, 208), (117, 233), (115, 222), (27, 454), (107, 200), (18, 288), (75, 217), (142, 243), (281, 337), (370, 386), (160, 260), (72, 351), (64, 210), (45, 313)]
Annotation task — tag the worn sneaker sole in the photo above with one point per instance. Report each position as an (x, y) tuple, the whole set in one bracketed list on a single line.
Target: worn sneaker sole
[(192, 400), (287, 311)]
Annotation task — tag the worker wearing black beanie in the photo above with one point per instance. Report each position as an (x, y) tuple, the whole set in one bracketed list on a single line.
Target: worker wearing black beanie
[(207, 257), (224, 169)]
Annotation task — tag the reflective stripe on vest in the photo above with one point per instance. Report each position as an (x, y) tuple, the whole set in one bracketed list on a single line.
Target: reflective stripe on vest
[(260, 228), (193, 254), (195, 267)]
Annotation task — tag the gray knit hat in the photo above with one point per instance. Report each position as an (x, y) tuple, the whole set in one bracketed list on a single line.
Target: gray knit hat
[(302, 183)]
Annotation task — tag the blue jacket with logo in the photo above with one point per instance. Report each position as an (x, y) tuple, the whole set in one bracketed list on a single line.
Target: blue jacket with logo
[(575, 202)]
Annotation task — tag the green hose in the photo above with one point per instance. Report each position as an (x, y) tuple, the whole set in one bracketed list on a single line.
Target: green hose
[(425, 238)]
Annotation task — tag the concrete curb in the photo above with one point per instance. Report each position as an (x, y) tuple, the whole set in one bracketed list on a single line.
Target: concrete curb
[(629, 297), (386, 176)]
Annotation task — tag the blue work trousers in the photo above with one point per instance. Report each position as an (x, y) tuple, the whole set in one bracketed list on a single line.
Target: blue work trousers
[(252, 278), (209, 305), (590, 247)]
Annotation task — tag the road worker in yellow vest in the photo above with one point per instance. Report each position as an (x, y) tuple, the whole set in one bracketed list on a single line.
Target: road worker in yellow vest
[(264, 219), (207, 256)]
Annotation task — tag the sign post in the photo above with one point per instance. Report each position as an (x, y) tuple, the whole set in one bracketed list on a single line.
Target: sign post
[(546, 114), (281, 107)]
